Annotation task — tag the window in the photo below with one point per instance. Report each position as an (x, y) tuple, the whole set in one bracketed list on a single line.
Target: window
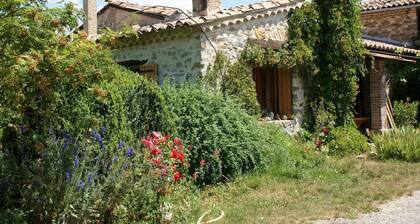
[(274, 90), (150, 71)]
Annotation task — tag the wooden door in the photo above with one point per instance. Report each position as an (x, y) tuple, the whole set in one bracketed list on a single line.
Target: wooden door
[(274, 90), (284, 89)]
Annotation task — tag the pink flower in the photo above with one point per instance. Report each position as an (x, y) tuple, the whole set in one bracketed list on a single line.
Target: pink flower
[(149, 144), (164, 171), (202, 163), (156, 134)]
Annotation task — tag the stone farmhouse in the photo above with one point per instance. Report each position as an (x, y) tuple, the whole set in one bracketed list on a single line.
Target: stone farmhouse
[(180, 46)]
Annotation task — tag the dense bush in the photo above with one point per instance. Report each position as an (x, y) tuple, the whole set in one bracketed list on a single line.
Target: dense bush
[(226, 141), (234, 80), (401, 144), (347, 140), (56, 91), (405, 113), (146, 110)]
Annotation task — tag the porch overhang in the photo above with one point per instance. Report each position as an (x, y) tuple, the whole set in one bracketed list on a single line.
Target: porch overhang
[(392, 56), (390, 49)]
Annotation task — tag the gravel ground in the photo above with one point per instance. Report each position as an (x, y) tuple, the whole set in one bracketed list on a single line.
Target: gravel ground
[(405, 210)]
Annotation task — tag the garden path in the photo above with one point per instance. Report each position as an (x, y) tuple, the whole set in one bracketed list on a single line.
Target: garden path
[(405, 210)]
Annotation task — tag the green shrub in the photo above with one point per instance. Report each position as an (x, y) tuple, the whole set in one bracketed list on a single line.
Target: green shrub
[(400, 144), (226, 140), (234, 80), (147, 111), (347, 140), (405, 113)]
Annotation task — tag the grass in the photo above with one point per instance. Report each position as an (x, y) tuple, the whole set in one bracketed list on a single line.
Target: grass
[(300, 187)]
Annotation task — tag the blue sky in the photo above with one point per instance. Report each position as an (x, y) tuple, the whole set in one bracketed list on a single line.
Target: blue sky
[(184, 4)]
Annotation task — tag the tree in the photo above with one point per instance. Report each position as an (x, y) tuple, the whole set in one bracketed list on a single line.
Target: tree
[(341, 57), (53, 82)]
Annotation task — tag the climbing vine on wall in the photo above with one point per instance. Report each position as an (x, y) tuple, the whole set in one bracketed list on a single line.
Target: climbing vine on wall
[(325, 47)]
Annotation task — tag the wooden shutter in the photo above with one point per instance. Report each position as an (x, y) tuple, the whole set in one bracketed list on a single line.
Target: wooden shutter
[(284, 88), (150, 71)]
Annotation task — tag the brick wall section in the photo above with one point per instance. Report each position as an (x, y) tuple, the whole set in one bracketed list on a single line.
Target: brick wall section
[(378, 96), (398, 24)]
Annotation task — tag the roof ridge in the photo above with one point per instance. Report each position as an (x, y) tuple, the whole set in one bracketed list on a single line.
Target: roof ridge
[(225, 14), (372, 5), (386, 40)]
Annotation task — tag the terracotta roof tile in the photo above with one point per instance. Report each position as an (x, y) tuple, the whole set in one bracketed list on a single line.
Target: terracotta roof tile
[(384, 4), (380, 45), (164, 11), (231, 12)]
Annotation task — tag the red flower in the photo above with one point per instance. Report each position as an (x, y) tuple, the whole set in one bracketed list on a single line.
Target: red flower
[(174, 154), (177, 155), (177, 176), (157, 161), (156, 151), (181, 157), (326, 131), (177, 141), (318, 143)]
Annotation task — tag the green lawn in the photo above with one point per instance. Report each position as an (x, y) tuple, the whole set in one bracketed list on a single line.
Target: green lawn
[(310, 187)]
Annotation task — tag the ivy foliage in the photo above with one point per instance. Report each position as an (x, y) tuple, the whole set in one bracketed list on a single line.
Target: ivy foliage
[(234, 80), (325, 47), (341, 56)]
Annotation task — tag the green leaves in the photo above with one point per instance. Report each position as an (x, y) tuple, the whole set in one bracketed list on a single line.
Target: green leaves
[(221, 133), (234, 80)]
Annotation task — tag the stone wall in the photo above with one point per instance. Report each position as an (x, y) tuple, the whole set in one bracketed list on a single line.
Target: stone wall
[(378, 96), (177, 54), (400, 25), (298, 98), (232, 39)]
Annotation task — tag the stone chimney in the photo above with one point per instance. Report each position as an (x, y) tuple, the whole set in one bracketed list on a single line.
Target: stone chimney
[(90, 23), (206, 7)]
